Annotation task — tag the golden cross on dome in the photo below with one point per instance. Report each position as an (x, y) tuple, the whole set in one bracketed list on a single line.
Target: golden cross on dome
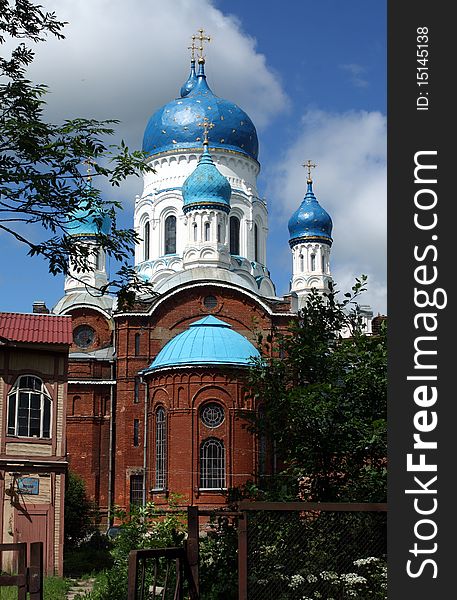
[(201, 38), (193, 47), (89, 162), (207, 125), (309, 165)]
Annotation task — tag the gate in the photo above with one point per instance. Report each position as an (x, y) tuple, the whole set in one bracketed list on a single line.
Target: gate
[(290, 551), (162, 573), (29, 578)]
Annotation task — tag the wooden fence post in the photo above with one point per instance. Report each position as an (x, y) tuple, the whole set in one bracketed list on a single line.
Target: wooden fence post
[(243, 556), (192, 545), (35, 571)]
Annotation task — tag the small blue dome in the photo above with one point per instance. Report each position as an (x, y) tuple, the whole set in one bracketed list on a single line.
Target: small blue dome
[(208, 341), (310, 221), (206, 186), (88, 222), (176, 125)]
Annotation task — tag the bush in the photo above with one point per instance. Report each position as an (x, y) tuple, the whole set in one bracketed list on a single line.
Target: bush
[(219, 561), (142, 527)]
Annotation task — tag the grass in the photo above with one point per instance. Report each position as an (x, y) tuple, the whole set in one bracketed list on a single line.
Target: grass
[(55, 588)]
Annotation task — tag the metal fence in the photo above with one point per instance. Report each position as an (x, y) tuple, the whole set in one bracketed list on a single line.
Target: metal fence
[(296, 551)]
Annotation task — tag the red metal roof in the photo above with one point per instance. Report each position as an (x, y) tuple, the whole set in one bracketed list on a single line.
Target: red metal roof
[(36, 328)]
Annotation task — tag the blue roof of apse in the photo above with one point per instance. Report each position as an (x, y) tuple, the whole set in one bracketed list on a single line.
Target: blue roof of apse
[(177, 125), (208, 341)]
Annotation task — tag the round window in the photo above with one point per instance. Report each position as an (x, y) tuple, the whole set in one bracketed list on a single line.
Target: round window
[(212, 415), (210, 302), (84, 336)]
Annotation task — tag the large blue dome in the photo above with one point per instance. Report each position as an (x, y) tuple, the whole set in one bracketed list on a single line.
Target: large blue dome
[(208, 341), (176, 125), (310, 221), (206, 186)]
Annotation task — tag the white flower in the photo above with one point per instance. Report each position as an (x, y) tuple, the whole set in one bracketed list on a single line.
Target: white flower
[(296, 581)]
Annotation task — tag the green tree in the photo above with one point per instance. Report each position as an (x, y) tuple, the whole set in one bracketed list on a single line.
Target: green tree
[(79, 512), (43, 174), (324, 403)]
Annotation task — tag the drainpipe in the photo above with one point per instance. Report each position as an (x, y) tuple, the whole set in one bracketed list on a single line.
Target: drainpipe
[(112, 426), (145, 437)]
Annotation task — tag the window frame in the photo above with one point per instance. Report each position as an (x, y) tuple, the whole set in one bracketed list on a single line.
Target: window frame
[(234, 233), (160, 449), (170, 235), (134, 498), (206, 476), (13, 405)]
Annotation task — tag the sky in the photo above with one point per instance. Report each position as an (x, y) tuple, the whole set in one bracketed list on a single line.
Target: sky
[(311, 75)]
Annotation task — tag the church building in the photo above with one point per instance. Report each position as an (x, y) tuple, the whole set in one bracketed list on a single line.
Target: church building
[(156, 394)]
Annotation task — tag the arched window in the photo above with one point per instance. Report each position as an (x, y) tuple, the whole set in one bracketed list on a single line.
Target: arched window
[(137, 343), (146, 239), (256, 243), (195, 232), (313, 262), (29, 408), (76, 405), (98, 260), (207, 232), (161, 449), (234, 235), (170, 235), (323, 263), (302, 263), (212, 464), (219, 233), (136, 390)]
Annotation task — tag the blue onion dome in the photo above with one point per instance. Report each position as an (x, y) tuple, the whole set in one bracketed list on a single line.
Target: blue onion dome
[(86, 221), (206, 187), (310, 222), (208, 341), (175, 126), (191, 81)]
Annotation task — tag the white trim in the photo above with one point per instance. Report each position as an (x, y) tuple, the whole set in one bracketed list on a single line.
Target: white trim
[(92, 381), (206, 283), (84, 305)]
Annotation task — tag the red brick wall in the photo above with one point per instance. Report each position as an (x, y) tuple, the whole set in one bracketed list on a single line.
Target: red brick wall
[(182, 393)]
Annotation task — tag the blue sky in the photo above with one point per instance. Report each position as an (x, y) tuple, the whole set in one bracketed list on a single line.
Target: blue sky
[(312, 76)]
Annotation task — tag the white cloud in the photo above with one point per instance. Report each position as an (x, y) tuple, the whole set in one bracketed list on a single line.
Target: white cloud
[(356, 73), (125, 59), (350, 183)]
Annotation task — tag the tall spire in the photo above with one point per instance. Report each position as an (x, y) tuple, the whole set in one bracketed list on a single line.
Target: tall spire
[(189, 85), (310, 229)]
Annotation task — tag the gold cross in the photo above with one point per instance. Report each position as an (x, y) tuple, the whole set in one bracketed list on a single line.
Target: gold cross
[(309, 165), (207, 125), (202, 38), (193, 47), (89, 162)]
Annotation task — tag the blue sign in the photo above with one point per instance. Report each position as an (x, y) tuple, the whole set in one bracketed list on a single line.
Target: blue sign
[(28, 485)]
